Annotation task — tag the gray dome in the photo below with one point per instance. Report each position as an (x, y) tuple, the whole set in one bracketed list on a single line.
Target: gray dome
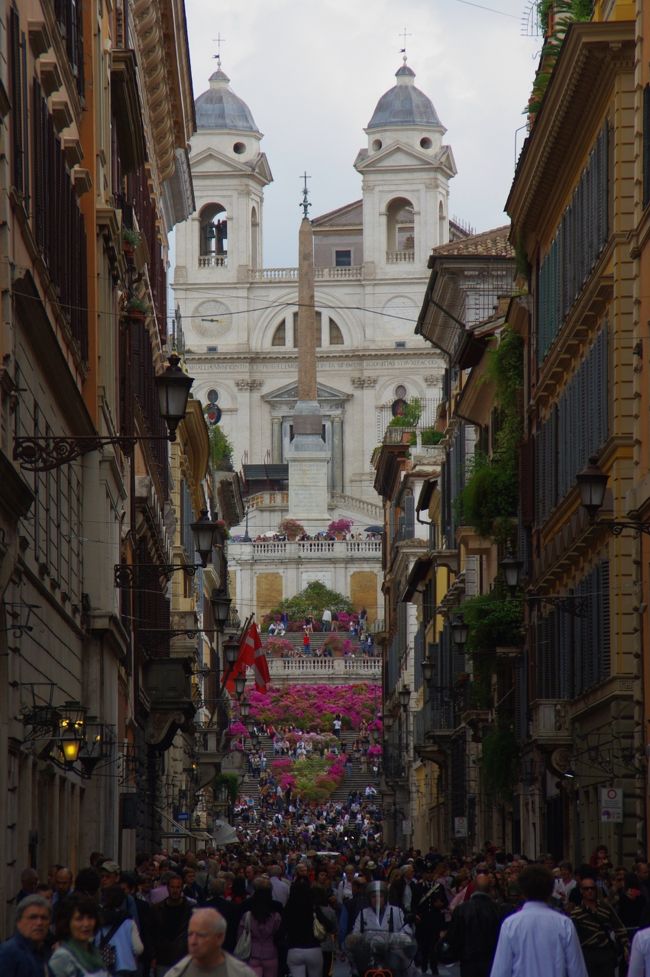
[(404, 105), (220, 108)]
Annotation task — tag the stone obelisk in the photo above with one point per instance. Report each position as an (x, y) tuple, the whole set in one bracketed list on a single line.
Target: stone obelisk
[(308, 456)]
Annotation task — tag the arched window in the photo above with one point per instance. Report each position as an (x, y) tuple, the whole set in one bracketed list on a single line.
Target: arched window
[(280, 335), (400, 225), (255, 230), (336, 336), (213, 224)]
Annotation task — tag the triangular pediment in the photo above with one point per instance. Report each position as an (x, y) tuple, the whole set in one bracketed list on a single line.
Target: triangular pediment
[(350, 215), (288, 395), (210, 162), (445, 160), (394, 156)]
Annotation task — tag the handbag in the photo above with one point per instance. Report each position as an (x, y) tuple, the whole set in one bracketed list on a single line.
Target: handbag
[(244, 944), (107, 950), (319, 929)]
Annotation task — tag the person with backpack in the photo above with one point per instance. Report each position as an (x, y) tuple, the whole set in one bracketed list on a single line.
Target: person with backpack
[(117, 937)]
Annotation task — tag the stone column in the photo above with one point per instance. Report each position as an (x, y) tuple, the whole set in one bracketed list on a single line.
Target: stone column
[(337, 454), (276, 440)]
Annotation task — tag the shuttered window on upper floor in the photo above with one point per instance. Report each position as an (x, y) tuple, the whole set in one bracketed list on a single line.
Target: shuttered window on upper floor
[(580, 238), (572, 650), (576, 428), (19, 109), (646, 146)]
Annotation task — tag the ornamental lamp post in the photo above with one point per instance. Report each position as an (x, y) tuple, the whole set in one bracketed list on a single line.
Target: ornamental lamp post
[(220, 602), (173, 387), (204, 531), (592, 483)]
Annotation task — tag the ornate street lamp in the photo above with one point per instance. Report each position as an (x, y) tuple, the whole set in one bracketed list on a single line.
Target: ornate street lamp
[(96, 746), (459, 631), (220, 602), (404, 697), (428, 666), (240, 685), (388, 721), (244, 708), (592, 483), (72, 730), (173, 387), (204, 531), (231, 651), (511, 567)]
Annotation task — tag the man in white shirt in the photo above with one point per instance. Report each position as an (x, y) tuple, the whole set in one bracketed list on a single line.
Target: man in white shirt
[(639, 965), (537, 941), (344, 888), (279, 886)]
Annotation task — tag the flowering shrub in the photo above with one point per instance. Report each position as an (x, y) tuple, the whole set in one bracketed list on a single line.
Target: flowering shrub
[(282, 763), (291, 528), (277, 646), (237, 729), (313, 707), (375, 750), (376, 726), (287, 781), (340, 526)]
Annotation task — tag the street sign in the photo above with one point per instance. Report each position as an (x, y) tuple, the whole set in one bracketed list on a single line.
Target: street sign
[(460, 827), (183, 816), (611, 804)]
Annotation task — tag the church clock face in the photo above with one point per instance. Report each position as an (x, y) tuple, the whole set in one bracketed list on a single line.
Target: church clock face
[(211, 319)]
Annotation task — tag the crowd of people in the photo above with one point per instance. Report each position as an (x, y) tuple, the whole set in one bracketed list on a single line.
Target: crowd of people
[(306, 887)]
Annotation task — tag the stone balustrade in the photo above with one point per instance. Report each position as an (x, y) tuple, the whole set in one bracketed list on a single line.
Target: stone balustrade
[(291, 274), (302, 549), (310, 669)]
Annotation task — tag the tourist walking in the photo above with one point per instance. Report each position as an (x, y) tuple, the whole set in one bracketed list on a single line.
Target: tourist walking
[(25, 954), (206, 956), (602, 935), (537, 941), (263, 923), (170, 920), (304, 954), (76, 954), (474, 930)]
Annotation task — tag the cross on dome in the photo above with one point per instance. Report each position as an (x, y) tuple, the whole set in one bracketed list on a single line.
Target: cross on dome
[(404, 34)]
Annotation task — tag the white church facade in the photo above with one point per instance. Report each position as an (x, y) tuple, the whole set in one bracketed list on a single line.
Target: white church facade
[(240, 318)]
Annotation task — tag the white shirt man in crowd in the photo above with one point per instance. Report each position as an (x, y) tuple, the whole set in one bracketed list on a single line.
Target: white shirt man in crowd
[(537, 941)]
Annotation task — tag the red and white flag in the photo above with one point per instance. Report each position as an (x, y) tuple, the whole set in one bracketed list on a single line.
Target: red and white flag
[(250, 656)]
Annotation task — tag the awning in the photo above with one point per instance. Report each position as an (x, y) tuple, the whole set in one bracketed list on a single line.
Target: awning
[(426, 492), (418, 572)]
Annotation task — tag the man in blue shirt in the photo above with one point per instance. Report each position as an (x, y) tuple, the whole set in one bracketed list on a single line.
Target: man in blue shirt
[(26, 953)]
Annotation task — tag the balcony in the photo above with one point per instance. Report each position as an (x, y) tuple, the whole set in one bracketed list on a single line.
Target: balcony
[(400, 257), (213, 261), (432, 729), (291, 274), (550, 722), (168, 683)]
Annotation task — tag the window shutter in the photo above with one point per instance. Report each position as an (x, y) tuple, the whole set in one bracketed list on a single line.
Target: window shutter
[(646, 145)]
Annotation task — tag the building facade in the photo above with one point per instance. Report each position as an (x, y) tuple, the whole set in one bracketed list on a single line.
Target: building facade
[(97, 112), (583, 647)]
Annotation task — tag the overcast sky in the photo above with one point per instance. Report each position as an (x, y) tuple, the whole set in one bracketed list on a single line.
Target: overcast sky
[(312, 72)]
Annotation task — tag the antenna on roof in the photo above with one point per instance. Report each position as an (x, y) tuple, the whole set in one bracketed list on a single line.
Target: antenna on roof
[(218, 40), (404, 34)]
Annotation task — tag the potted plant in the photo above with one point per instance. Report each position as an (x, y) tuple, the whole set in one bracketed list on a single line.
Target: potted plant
[(130, 240), (291, 528), (137, 309), (340, 527)]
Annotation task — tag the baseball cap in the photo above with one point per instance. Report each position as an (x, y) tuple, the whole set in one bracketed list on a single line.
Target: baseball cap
[(110, 868)]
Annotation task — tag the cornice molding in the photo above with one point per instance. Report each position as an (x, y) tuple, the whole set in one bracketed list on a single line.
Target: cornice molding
[(591, 57)]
